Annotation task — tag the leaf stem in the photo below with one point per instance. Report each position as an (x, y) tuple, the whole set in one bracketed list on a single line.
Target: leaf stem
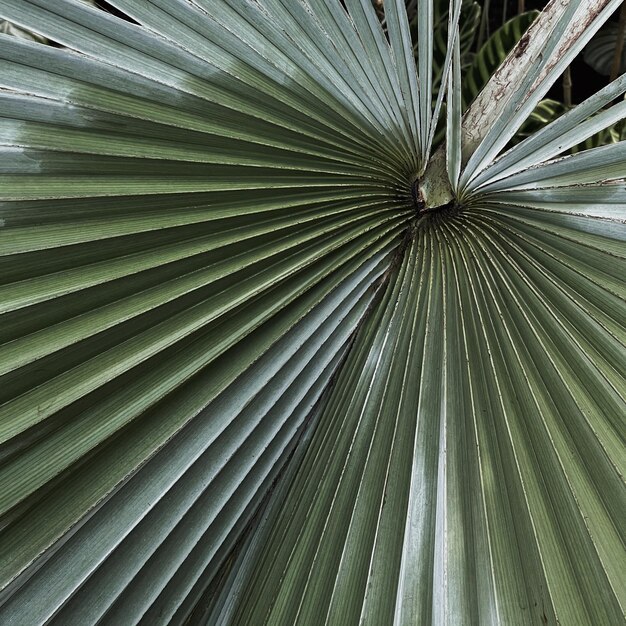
[(567, 86)]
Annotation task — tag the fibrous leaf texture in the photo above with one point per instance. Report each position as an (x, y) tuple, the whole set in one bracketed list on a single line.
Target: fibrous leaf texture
[(267, 357)]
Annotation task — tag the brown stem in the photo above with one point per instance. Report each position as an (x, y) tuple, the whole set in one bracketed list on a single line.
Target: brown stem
[(567, 86), (521, 6)]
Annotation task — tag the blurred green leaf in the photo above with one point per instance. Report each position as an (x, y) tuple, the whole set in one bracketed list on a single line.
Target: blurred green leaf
[(600, 51)]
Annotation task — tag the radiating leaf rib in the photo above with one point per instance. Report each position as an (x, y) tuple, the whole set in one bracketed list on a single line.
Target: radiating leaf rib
[(453, 122), (205, 389), (454, 39), (371, 34), (595, 165), (27, 410), (376, 605), (22, 351), (234, 216), (51, 73), (216, 270), (424, 68), (301, 26), (596, 396), (135, 50), (98, 277), (404, 63), (63, 138), (54, 111), (559, 294), (534, 85), (600, 200), (559, 135), (571, 581), (503, 444), (305, 361), (340, 30), (177, 21), (491, 512)]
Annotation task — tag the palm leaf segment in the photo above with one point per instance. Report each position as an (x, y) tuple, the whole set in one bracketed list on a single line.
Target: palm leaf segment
[(198, 212)]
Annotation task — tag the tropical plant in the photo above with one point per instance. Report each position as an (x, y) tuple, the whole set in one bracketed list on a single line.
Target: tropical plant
[(268, 358), (469, 19)]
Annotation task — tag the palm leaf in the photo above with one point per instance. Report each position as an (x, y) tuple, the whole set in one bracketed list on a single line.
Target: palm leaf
[(456, 441), (545, 112), (468, 24), (254, 371)]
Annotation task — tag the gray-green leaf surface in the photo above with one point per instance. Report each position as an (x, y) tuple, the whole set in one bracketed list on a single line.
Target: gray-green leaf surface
[(251, 374)]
